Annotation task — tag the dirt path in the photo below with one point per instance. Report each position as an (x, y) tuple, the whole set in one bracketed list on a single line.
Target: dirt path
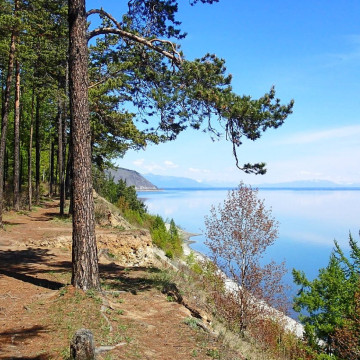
[(39, 311)]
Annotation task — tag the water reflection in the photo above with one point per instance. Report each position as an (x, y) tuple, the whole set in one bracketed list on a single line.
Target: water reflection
[(309, 220)]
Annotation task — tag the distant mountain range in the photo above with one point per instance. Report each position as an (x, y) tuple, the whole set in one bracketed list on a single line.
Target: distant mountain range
[(152, 182), (168, 182), (132, 178)]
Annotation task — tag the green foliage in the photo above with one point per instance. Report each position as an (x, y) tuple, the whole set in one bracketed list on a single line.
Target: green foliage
[(134, 217), (326, 301), (105, 185), (134, 211), (192, 322), (167, 240), (193, 264), (120, 194), (137, 96), (127, 198), (346, 340), (325, 357), (166, 98), (213, 353)]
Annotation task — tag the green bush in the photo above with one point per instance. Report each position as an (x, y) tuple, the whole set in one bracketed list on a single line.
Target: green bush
[(135, 212), (167, 240), (127, 198), (120, 194), (194, 264), (169, 254), (133, 217), (325, 302)]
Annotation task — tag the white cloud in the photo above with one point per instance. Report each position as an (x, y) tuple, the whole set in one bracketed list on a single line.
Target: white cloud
[(199, 171), (312, 137), (170, 164), (152, 167), (138, 162), (337, 164), (193, 170), (149, 167)]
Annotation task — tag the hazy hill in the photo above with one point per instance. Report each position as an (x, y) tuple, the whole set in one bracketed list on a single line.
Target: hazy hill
[(154, 182), (168, 182), (132, 178)]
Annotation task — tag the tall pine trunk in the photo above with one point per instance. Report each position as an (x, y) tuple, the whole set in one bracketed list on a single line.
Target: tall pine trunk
[(30, 150), (16, 190), (5, 120), (21, 174), (37, 152), (68, 178), (51, 175), (62, 129), (61, 155), (6, 167), (85, 270)]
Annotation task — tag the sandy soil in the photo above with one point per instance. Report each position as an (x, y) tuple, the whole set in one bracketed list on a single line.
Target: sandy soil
[(32, 280)]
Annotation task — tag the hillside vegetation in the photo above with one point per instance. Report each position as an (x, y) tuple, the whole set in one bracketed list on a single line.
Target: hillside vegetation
[(157, 312)]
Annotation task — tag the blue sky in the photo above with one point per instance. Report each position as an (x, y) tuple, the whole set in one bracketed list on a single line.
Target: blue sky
[(310, 51)]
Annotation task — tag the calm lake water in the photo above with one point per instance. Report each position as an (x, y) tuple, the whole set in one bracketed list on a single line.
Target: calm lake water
[(309, 221)]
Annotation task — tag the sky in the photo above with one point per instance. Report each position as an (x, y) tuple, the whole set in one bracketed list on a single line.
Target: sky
[(310, 51)]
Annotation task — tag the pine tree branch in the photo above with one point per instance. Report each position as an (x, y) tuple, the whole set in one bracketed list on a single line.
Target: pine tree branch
[(104, 79), (174, 55)]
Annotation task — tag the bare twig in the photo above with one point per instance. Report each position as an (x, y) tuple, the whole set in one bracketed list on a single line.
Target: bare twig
[(9, 295), (101, 349)]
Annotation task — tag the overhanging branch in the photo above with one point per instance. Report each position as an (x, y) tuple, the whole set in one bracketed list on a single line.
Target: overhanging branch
[(174, 55)]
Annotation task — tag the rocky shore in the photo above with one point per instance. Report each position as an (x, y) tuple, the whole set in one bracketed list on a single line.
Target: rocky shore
[(290, 323)]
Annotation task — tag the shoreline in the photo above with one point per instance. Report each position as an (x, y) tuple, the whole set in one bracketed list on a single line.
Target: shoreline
[(290, 324), (186, 242)]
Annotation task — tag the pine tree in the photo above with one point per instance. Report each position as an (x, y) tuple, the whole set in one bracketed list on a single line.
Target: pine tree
[(325, 302), (201, 85), (6, 108), (85, 272), (134, 64), (16, 190)]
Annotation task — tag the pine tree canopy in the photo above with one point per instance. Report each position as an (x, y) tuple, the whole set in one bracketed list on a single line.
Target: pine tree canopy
[(136, 67), (142, 88)]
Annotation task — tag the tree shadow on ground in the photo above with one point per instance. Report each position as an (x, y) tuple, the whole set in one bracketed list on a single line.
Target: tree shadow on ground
[(57, 216), (15, 258), (50, 205), (10, 223), (53, 215), (46, 216), (38, 357), (130, 279), (21, 264), (16, 336), (45, 283), (21, 334), (26, 265), (40, 218)]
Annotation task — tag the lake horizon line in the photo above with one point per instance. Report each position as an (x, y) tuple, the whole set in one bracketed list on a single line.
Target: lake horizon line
[(273, 188)]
